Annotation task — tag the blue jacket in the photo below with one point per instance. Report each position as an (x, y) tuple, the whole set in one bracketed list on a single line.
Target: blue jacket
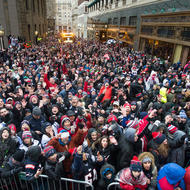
[(170, 177)]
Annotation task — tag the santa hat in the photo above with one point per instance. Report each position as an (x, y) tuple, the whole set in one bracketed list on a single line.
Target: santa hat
[(112, 118), (158, 138), (136, 164), (49, 151), (172, 129), (26, 134), (12, 127), (132, 123)]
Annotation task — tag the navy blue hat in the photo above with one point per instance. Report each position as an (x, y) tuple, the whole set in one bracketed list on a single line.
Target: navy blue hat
[(49, 151), (136, 164)]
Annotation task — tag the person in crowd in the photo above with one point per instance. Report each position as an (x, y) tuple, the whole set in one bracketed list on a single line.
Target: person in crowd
[(64, 142), (132, 178), (171, 176), (83, 167), (149, 169), (33, 163), (14, 165), (159, 147), (7, 145), (49, 131), (28, 141), (107, 173), (54, 163)]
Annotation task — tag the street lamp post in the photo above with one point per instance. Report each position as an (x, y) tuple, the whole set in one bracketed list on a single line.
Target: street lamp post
[(1, 38), (36, 36)]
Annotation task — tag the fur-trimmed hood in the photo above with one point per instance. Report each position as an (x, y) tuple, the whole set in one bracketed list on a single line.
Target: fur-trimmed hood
[(147, 154)]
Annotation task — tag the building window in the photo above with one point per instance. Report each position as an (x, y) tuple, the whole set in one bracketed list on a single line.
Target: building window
[(27, 5), (109, 20), (33, 4), (123, 21), (115, 21), (132, 20), (148, 30), (86, 9)]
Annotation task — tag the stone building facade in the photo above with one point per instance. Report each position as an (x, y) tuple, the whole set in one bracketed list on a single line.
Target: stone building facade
[(124, 21), (22, 18)]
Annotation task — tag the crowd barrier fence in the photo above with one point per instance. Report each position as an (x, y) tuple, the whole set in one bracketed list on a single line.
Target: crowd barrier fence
[(113, 186), (19, 182)]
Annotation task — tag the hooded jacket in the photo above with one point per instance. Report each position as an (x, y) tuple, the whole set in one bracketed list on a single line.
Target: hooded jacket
[(104, 181), (154, 171), (170, 177)]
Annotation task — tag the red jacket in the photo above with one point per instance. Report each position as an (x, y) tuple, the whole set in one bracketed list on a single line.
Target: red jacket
[(108, 93), (49, 84)]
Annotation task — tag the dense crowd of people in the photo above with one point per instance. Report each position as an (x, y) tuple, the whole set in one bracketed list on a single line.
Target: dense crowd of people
[(94, 112)]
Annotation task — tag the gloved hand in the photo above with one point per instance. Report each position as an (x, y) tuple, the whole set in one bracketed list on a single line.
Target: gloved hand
[(16, 170)]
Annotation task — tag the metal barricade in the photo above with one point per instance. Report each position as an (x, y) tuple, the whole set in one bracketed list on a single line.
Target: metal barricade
[(19, 181), (113, 186)]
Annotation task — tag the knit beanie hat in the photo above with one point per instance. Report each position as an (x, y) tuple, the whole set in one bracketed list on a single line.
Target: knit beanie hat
[(36, 111), (12, 127), (25, 121), (111, 118), (136, 164), (146, 159), (33, 96), (19, 155), (158, 137), (127, 105), (26, 134), (172, 129), (63, 119), (49, 151), (182, 114), (17, 102)]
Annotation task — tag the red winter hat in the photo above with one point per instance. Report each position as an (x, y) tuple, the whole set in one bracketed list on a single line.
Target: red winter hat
[(158, 137), (136, 164), (63, 119), (112, 118), (33, 96), (12, 127), (127, 104), (172, 129), (26, 134)]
